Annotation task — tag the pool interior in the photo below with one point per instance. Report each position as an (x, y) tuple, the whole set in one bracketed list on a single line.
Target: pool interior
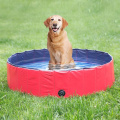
[(44, 65), (39, 59)]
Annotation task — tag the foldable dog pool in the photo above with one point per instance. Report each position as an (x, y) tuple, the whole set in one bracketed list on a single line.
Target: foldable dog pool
[(28, 72)]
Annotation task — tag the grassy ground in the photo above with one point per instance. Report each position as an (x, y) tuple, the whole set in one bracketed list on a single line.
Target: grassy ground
[(93, 24)]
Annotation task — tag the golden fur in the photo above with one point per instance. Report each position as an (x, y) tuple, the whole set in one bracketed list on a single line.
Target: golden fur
[(59, 47)]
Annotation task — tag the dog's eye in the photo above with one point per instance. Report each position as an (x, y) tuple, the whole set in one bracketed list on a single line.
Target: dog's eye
[(52, 19), (59, 19)]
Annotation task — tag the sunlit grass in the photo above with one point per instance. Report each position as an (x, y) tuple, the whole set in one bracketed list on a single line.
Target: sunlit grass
[(93, 24)]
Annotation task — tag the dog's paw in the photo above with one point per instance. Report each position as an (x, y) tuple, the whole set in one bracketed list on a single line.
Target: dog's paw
[(72, 65), (51, 66)]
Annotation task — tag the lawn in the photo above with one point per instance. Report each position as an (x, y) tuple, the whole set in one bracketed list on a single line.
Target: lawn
[(93, 24)]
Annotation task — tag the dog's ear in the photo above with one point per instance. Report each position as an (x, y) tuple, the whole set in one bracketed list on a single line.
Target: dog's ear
[(64, 23), (46, 22)]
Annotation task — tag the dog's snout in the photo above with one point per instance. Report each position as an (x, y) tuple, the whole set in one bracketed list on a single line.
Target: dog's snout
[(54, 25)]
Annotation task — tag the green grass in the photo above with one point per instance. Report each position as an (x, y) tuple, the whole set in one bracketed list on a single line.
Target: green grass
[(93, 24)]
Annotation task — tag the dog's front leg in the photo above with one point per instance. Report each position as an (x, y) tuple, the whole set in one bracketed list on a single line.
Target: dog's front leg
[(63, 62), (51, 62), (62, 59)]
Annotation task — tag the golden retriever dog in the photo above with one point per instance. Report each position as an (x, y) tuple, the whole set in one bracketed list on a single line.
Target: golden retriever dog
[(58, 45)]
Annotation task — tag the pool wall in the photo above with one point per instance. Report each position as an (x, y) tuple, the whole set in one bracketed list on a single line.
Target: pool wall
[(76, 82)]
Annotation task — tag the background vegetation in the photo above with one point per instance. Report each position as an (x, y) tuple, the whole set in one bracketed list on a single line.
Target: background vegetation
[(93, 24)]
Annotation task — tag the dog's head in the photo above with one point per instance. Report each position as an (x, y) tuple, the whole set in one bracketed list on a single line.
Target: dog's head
[(56, 23)]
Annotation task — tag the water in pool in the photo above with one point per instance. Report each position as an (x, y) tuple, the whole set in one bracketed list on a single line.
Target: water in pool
[(44, 65)]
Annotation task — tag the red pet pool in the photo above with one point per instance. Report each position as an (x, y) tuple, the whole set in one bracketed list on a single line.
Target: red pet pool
[(28, 72)]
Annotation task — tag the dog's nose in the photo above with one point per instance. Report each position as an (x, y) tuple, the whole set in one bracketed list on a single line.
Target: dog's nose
[(54, 25)]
